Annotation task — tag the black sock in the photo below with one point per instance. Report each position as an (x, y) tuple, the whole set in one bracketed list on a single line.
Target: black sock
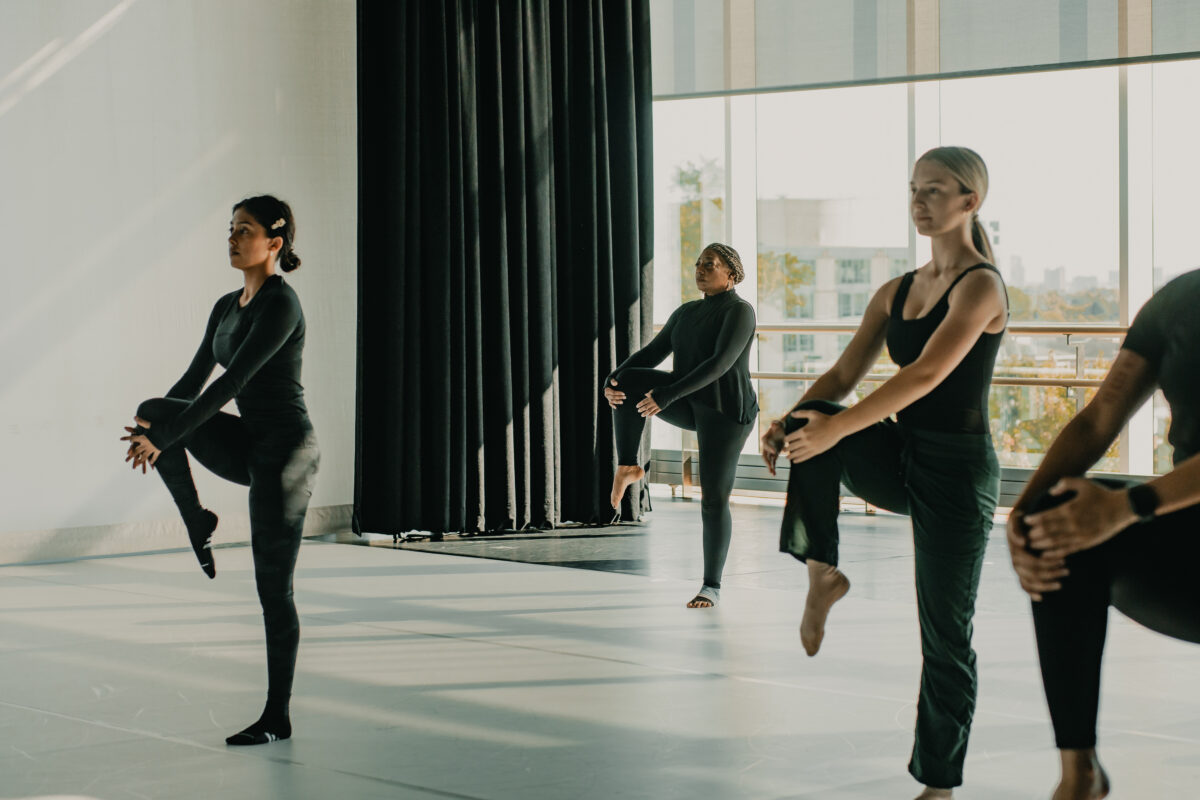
[(200, 530), (274, 725)]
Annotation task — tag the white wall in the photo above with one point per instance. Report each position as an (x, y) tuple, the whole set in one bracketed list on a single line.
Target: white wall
[(127, 130)]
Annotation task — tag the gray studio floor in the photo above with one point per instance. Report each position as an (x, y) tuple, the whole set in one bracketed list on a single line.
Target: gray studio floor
[(457, 669)]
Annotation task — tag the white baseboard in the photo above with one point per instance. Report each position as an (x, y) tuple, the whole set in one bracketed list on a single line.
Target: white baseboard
[(68, 544)]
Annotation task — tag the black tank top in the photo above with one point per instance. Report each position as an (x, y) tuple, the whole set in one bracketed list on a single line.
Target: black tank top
[(959, 403)]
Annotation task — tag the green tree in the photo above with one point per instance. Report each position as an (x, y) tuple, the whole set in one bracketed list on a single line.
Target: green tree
[(781, 280), (702, 186)]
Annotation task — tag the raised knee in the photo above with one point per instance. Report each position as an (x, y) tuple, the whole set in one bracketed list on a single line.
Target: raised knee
[(790, 423), (150, 410)]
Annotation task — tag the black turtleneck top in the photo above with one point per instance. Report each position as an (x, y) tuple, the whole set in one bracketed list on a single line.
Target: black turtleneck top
[(959, 403), (710, 339), (260, 346)]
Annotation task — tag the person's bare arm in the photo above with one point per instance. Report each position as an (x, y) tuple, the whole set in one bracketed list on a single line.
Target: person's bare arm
[(974, 305), (850, 368), (1129, 383), (860, 354), (1081, 443)]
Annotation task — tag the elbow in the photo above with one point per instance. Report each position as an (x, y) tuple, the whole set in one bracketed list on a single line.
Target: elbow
[(1091, 426), (923, 378)]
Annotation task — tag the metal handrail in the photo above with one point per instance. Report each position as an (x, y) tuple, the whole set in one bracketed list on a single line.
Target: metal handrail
[(1086, 383), (1018, 328)]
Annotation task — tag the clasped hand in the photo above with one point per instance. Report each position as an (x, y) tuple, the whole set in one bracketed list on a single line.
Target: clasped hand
[(818, 435), (141, 450), (1039, 543), (647, 407)]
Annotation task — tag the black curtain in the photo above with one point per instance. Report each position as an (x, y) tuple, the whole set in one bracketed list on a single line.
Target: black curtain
[(505, 244)]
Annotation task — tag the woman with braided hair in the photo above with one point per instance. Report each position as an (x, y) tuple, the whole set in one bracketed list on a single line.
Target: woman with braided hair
[(708, 391), (257, 334)]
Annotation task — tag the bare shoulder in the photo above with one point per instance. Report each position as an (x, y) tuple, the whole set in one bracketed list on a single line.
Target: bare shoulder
[(979, 284), (981, 295), (885, 294)]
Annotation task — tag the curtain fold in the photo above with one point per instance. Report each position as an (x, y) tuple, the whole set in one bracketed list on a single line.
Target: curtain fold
[(505, 244)]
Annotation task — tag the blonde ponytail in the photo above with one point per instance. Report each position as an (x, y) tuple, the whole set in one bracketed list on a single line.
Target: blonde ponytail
[(981, 240)]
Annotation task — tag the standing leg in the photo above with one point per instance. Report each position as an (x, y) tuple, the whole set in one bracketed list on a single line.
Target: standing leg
[(869, 463), (1071, 626), (279, 493), (1146, 572), (954, 485), (628, 424), (720, 441), (220, 445)]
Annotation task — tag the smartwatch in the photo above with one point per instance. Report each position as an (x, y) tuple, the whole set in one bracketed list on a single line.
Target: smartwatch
[(1143, 501)]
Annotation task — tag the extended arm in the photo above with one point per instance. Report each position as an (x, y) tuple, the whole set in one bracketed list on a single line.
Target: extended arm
[(187, 387), (1086, 438), (862, 352), (850, 368), (736, 330), (275, 322), (653, 354)]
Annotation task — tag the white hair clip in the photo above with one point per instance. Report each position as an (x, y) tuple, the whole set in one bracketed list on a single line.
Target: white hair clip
[(279, 223)]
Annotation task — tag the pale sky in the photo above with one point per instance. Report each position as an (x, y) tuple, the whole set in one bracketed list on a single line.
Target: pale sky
[(1050, 141)]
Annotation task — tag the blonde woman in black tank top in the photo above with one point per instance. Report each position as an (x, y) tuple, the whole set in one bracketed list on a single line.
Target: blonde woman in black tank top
[(942, 324)]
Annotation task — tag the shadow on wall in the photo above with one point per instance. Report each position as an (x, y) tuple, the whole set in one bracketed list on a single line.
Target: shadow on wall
[(53, 57), (103, 271)]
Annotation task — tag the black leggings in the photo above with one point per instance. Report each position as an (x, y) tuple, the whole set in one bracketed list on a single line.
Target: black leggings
[(720, 442), (279, 467), (1148, 572)]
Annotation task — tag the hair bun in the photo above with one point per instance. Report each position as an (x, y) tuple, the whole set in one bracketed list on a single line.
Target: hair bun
[(290, 261)]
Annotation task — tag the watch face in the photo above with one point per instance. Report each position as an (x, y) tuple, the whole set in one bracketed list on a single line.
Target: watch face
[(1143, 501)]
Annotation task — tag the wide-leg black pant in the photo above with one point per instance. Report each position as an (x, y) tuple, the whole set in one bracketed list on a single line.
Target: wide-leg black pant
[(279, 466), (949, 484), (1147, 572), (719, 439)]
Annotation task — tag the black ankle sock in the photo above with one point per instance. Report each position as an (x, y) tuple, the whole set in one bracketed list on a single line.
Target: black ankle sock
[(200, 530), (272, 726)]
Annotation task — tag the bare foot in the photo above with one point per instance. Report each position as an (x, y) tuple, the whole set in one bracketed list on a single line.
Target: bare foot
[(1082, 776), (826, 585), (931, 793), (705, 598), (623, 477)]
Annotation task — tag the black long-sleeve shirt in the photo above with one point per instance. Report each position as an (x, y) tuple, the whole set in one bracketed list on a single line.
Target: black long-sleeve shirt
[(711, 340), (260, 345)]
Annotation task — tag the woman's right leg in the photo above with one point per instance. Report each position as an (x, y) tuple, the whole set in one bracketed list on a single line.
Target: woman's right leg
[(220, 445), (720, 440), (628, 424), (1147, 572), (869, 462)]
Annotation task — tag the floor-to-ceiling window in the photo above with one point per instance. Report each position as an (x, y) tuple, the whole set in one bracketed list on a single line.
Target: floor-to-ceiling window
[(788, 129)]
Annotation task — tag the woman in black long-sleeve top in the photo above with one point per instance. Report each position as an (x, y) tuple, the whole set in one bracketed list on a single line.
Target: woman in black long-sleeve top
[(708, 391), (257, 334)]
